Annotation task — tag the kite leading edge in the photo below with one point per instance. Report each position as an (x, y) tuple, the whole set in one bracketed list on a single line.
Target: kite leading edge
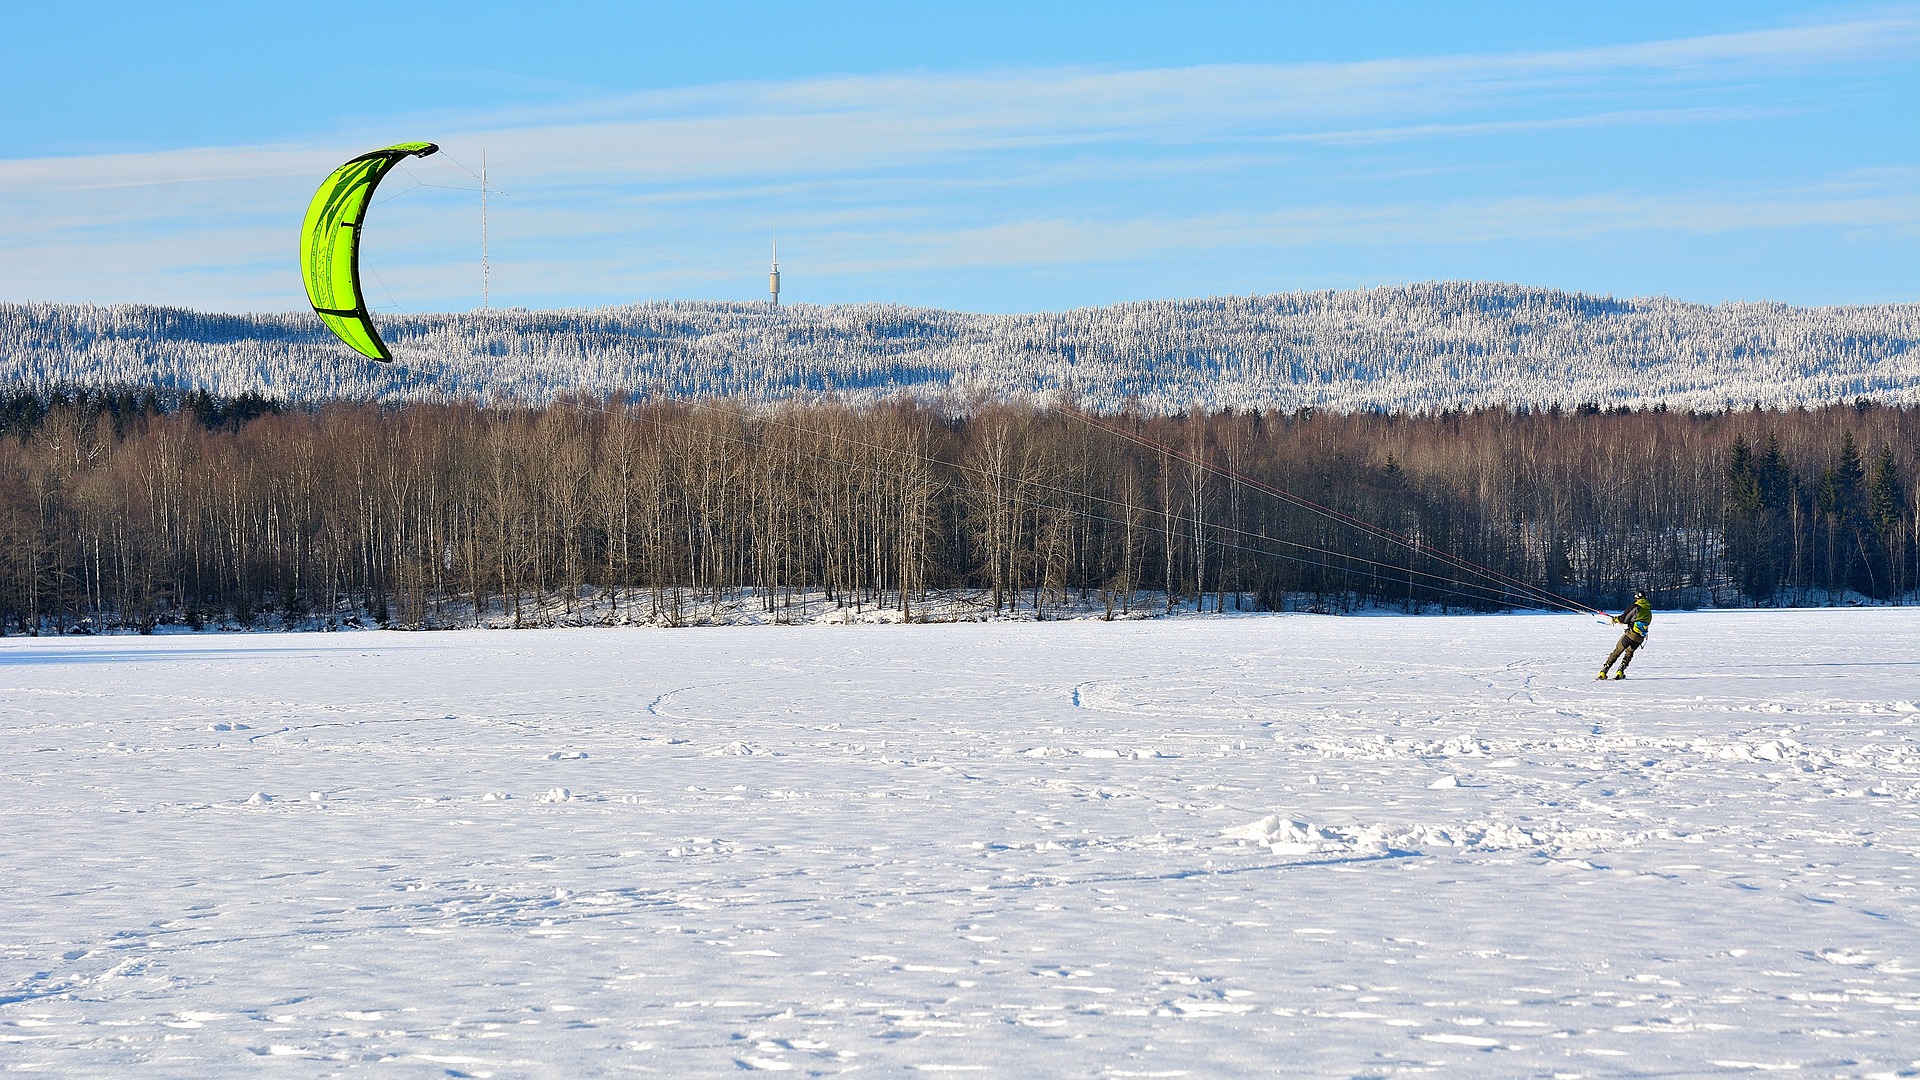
[(330, 245)]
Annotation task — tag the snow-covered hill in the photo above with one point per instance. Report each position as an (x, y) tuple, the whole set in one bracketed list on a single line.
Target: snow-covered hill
[(1414, 347)]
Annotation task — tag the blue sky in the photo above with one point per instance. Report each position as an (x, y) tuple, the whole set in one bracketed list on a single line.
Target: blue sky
[(987, 157)]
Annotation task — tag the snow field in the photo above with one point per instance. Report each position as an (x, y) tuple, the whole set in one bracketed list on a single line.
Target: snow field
[(1274, 845)]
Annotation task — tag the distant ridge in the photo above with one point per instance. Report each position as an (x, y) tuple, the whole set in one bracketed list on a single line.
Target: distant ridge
[(1423, 347)]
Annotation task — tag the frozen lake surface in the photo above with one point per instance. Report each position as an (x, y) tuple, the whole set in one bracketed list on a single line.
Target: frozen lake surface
[(1219, 847)]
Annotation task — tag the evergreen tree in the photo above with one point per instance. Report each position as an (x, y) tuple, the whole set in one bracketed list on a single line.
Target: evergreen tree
[(1747, 554), (1844, 521), (1778, 492), (1886, 511)]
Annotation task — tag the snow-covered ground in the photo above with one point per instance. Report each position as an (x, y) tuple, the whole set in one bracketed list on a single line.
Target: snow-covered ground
[(1290, 844)]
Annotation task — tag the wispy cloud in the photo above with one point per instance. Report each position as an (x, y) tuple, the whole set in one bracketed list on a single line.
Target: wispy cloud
[(1058, 242), (995, 169), (826, 125)]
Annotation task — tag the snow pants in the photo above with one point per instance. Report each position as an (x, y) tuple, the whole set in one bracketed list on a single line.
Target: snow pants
[(1623, 652)]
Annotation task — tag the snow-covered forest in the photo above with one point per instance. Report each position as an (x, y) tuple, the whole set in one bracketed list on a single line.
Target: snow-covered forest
[(1411, 348)]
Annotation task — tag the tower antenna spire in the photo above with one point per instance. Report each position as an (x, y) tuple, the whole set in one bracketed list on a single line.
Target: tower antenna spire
[(485, 268), (773, 276)]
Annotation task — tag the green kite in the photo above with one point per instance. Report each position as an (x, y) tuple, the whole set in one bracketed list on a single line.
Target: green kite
[(330, 245)]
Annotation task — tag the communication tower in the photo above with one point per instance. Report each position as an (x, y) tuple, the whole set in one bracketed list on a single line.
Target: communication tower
[(485, 267), (773, 276)]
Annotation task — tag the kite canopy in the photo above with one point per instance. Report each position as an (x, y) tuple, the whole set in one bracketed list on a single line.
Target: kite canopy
[(330, 245)]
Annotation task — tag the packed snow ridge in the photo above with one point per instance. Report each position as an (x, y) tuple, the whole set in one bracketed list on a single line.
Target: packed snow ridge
[(1421, 347)]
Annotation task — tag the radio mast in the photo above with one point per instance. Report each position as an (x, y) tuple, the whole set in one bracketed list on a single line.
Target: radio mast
[(773, 276), (484, 267)]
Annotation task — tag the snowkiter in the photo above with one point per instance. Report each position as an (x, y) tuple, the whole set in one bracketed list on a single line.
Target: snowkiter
[(1636, 619)]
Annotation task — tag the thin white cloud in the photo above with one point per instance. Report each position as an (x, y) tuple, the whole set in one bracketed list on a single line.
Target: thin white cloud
[(1057, 242), (866, 121), (831, 124), (718, 157), (1619, 118)]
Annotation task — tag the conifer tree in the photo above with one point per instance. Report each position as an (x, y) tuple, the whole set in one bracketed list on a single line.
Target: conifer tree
[(1886, 512)]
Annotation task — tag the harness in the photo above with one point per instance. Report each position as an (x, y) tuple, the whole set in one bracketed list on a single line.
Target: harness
[(1639, 619)]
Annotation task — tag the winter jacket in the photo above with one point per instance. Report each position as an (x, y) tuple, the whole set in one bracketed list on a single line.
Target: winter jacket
[(1637, 617)]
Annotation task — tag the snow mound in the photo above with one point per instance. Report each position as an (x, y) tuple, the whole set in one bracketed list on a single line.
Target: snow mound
[(1289, 836), (739, 749), (1098, 753)]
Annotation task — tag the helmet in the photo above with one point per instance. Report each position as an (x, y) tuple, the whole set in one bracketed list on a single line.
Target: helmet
[(1639, 594)]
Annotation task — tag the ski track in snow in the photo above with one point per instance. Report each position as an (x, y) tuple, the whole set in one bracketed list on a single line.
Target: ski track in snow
[(1249, 846)]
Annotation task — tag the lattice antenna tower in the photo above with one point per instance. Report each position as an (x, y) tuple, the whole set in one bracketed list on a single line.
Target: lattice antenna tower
[(486, 268)]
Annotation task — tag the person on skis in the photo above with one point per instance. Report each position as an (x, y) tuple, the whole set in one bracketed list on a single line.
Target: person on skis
[(1636, 619)]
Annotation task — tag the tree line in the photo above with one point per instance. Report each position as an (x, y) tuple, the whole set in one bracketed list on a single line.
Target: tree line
[(128, 509)]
